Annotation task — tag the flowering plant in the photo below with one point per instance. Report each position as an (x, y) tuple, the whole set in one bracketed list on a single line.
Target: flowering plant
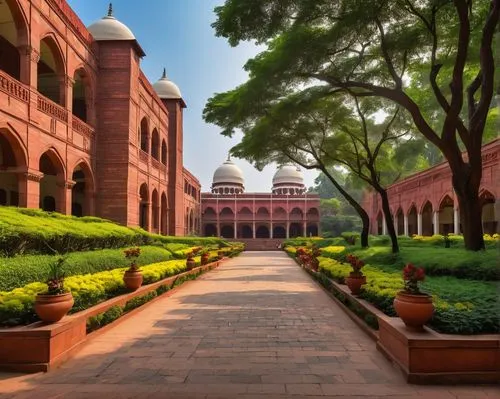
[(356, 264), (411, 276), (55, 280), (132, 254), (190, 255)]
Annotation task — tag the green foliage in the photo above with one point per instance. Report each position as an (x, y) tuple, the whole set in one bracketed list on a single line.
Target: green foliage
[(139, 301), (102, 319), (20, 270)]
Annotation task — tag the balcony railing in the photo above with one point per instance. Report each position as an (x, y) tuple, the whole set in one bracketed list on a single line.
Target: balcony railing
[(143, 156), (51, 108), (13, 87), (81, 127)]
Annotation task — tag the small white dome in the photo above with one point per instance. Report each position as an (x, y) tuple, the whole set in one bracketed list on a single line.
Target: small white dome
[(167, 89), (109, 28), (288, 174), (228, 173)]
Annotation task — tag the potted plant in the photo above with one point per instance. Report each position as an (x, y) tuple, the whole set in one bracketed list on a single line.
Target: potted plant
[(356, 278), (204, 256), (55, 303), (190, 262), (220, 254), (414, 307), (314, 262), (133, 276)]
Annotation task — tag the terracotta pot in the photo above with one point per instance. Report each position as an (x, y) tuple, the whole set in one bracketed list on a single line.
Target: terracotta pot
[(52, 308), (132, 280), (220, 254), (190, 264), (204, 259), (354, 283), (414, 310)]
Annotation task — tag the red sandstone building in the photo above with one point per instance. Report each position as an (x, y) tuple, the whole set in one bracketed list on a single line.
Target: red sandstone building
[(425, 203), (287, 211), (82, 131)]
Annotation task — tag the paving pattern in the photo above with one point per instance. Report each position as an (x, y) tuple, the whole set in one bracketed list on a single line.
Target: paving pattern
[(257, 327)]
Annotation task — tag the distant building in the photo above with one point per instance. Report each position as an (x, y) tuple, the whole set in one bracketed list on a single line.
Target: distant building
[(286, 211), (82, 130)]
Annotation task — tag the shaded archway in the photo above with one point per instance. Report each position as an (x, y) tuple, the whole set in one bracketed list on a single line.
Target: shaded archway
[(412, 221), (380, 221), (226, 212), (279, 213), (446, 215), (262, 213), (227, 231), (245, 231), (144, 135), (155, 144), (210, 230), (163, 152), (209, 213), (52, 184), (163, 215), (13, 37), (144, 206), (245, 213), (490, 223), (155, 211), (400, 222), (82, 192), (12, 164), (312, 230), (279, 232), (80, 94), (296, 214), (191, 222), (50, 71), (262, 232), (427, 226), (312, 214), (295, 230)]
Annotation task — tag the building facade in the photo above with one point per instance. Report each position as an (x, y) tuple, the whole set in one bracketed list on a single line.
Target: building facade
[(82, 130), (425, 203), (287, 211)]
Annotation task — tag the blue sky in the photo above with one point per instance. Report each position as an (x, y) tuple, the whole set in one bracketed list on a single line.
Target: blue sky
[(177, 35)]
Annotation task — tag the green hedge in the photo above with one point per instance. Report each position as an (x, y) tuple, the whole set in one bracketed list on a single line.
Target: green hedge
[(461, 306), (20, 270), (32, 231)]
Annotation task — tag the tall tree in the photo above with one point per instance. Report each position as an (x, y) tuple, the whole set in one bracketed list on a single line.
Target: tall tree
[(375, 48)]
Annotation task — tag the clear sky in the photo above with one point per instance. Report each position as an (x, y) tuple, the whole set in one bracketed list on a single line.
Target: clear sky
[(176, 34)]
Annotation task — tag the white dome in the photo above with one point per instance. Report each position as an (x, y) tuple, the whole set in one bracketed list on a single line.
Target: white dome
[(109, 28), (228, 173), (166, 89), (288, 174)]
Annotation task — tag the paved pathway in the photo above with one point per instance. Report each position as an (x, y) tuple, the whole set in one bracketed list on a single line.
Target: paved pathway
[(258, 327)]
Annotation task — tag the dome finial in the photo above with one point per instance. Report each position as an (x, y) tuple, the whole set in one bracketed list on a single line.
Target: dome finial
[(164, 76), (229, 156), (110, 10)]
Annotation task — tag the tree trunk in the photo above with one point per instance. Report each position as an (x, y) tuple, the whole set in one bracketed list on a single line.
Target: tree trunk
[(365, 219), (388, 219), (470, 212)]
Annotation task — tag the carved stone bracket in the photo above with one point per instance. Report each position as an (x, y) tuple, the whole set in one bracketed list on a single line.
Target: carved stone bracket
[(32, 52), (34, 176), (67, 184), (69, 81)]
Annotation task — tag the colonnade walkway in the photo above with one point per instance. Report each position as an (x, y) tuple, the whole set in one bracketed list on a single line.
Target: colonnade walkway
[(257, 327)]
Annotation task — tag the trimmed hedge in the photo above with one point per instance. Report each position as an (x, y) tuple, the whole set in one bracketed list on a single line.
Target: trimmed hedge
[(462, 306), (20, 270), (33, 231)]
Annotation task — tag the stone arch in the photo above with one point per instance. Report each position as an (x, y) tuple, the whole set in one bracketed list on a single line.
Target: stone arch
[(144, 206), (295, 230), (399, 223), (163, 152), (226, 211), (312, 212), (246, 231), (279, 231), (144, 135), (245, 211), (81, 98), (155, 210), (262, 213), (191, 221), (211, 230), (83, 191), (446, 207), (13, 164), (412, 220), (163, 214), (227, 231), (490, 223), (427, 223), (209, 212), (13, 38), (262, 231), (312, 230), (53, 183), (296, 214), (279, 213), (51, 70), (155, 144)]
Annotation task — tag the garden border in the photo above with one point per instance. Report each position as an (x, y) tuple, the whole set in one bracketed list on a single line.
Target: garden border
[(40, 346), (427, 357)]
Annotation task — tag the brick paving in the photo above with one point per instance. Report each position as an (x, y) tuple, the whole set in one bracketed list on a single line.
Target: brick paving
[(257, 327)]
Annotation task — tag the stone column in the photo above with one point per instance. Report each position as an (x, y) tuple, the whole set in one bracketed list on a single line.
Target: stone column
[(405, 221), (31, 187), (384, 226), (419, 224), (305, 229), (396, 222), (456, 221), (235, 230), (435, 222), (29, 65), (218, 228), (69, 196), (271, 230), (287, 230), (253, 230)]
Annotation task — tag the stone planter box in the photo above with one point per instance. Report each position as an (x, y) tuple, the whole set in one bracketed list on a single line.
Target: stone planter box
[(39, 346)]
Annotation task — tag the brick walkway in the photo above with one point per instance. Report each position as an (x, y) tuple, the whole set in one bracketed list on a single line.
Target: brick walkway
[(258, 327)]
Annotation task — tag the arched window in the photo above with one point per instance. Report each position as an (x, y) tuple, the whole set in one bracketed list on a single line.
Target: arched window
[(80, 94), (155, 145), (144, 135), (50, 71), (52, 191), (13, 35), (163, 152)]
